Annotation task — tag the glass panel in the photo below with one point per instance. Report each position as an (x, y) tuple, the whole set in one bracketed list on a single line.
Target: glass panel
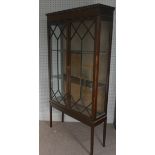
[(103, 66), (105, 34), (88, 43), (58, 43), (82, 52)]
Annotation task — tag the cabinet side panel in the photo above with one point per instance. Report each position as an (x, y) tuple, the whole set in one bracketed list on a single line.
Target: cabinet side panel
[(104, 58)]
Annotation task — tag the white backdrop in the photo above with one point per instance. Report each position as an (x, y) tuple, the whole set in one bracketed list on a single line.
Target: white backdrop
[(47, 6)]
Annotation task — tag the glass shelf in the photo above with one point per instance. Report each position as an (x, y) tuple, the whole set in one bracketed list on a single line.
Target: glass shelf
[(79, 52), (84, 82)]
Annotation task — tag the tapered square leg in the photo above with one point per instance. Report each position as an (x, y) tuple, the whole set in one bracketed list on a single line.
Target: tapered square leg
[(62, 116), (92, 141), (50, 115), (104, 131)]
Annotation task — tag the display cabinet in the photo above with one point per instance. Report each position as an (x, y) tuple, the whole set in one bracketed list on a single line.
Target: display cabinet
[(79, 51)]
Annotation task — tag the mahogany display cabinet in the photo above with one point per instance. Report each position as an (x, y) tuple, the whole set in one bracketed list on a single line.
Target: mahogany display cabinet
[(79, 52)]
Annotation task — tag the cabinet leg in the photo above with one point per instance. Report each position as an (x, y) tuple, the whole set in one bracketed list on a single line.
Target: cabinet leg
[(62, 116), (50, 115), (104, 131), (92, 141)]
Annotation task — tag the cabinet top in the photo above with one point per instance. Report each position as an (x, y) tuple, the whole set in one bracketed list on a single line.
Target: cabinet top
[(81, 12)]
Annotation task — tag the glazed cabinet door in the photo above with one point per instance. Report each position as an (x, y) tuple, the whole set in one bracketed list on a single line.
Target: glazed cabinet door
[(82, 53), (58, 37)]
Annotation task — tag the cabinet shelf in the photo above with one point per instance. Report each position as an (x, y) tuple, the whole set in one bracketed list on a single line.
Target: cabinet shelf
[(76, 80), (79, 52)]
